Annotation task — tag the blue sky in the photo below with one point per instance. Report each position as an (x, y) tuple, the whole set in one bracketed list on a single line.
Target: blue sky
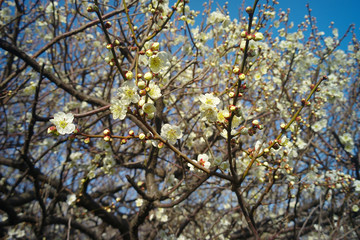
[(341, 12)]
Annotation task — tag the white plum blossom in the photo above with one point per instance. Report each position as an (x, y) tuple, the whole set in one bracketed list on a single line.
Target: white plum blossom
[(155, 91), (209, 99), (71, 199), (161, 215), (319, 125), (158, 62), (216, 17), (63, 122), (209, 112), (29, 90), (139, 202), (171, 133), (348, 142), (356, 184), (203, 160), (119, 109), (300, 143), (148, 108), (223, 115), (128, 92)]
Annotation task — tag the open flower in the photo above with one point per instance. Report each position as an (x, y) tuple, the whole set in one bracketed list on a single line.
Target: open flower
[(63, 122), (209, 112), (158, 62), (128, 92), (347, 140), (171, 133), (203, 160), (155, 91), (209, 99), (119, 109)]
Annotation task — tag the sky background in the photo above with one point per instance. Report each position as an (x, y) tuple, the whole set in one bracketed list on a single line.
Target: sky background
[(341, 12)]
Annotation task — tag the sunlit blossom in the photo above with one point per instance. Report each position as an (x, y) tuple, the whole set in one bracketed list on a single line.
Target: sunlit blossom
[(63, 122), (128, 92), (158, 62), (119, 109), (171, 133)]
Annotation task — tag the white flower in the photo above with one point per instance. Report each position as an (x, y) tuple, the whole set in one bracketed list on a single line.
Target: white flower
[(356, 184), (63, 122), (71, 199), (300, 143), (158, 62), (128, 92), (355, 208), (155, 91), (203, 160), (209, 99), (171, 133), (348, 142), (29, 90), (320, 125), (139, 202), (118, 109), (209, 112), (149, 108), (223, 115), (160, 214)]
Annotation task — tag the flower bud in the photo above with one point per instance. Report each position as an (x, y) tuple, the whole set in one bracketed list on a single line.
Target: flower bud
[(131, 132), (116, 42), (92, 8), (236, 69), (123, 141), (231, 94), (142, 92), (109, 46), (242, 76), (129, 75), (148, 76), (258, 36), (243, 34), (51, 129), (232, 108), (249, 10), (155, 46), (149, 53), (149, 108), (255, 122), (160, 145), (87, 140), (141, 84), (106, 132), (108, 24), (142, 136)]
